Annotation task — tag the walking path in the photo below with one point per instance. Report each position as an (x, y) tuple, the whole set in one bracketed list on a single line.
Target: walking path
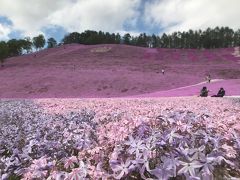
[(232, 88)]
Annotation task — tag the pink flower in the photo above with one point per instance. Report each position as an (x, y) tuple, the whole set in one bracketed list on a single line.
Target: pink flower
[(69, 163), (78, 173), (230, 152)]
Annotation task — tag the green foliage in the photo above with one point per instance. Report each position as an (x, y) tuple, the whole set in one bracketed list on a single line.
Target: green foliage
[(219, 37), (73, 37), (142, 40), (127, 38), (14, 177), (165, 41), (118, 38), (154, 41), (210, 38), (237, 38), (15, 47), (4, 50), (39, 41), (51, 43), (92, 37), (26, 44)]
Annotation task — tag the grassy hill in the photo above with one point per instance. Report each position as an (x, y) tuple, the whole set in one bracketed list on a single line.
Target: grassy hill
[(74, 70)]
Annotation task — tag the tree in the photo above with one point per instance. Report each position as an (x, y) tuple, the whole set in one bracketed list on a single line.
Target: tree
[(73, 37), (219, 37), (127, 38), (108, 38), (154, 41), (51, 43), (3, 52), (192, 39), (90, 37), (142, 40), (14, 47), (229, 37), (237, 38), (134, 41), (118, 38), (39, 41), (26, 44), (165, 41), (175, 40), (113, 37)]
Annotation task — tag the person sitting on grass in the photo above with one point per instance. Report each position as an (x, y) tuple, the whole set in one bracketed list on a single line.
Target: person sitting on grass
[(204, 92), (220, 93)]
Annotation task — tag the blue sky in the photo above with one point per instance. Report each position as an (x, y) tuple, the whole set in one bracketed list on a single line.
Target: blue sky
[(21, 18)]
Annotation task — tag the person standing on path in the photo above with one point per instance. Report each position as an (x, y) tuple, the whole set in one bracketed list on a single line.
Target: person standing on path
[(163, 71), (208, 78)]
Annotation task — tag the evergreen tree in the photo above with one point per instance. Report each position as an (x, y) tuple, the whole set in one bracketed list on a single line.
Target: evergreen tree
[(73, 37), (165, 41), (154, 41), (4, 52), (118, 38), (142, 40), (237, 38), (127, 38), (218, 37)]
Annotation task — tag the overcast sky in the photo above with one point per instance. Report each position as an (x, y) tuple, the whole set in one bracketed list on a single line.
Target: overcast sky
[(54, 18)]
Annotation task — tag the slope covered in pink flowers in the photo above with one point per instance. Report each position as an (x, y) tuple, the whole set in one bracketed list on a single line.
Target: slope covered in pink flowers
[(128, 137), (79, 71), (155, 138)]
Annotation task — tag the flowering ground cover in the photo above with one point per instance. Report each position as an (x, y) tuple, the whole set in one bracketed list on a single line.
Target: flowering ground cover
[(232, 88), (85, 133), (145, 138), (99, 71)]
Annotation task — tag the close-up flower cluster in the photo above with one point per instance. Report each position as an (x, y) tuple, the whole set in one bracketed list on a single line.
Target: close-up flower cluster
[(168, 138)]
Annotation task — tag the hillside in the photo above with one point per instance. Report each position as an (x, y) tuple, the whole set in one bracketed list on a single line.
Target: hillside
[(78, 71)]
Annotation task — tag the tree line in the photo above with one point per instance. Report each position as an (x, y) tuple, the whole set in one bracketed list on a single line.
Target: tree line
[(218, 37), (16, 47), (210, 38)]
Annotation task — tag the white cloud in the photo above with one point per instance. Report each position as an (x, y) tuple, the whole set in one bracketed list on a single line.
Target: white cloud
[(103, 15), (4, 32), (73, 15), (132, 33), (30, 17), (182, 15)]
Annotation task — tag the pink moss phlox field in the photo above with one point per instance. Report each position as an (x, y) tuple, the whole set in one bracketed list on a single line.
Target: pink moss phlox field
[(100, 71), (158, 138)]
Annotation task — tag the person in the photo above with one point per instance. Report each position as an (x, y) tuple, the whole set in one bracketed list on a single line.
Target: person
[(204, 92), (208, 78), (220, 93), (163, 71)]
